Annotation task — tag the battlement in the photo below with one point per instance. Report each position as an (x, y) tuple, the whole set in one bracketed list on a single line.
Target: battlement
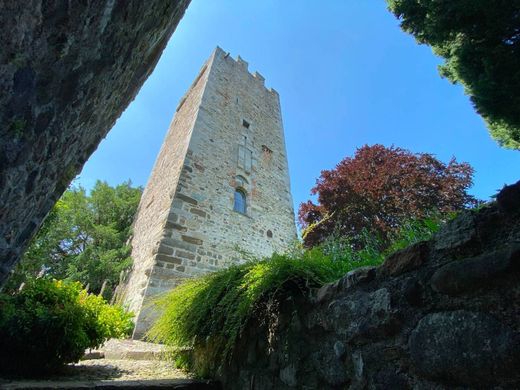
[(244, 65), (240, 62)]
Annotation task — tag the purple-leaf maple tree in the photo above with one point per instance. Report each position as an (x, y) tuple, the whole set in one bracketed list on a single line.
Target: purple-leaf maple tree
[(379, 189)]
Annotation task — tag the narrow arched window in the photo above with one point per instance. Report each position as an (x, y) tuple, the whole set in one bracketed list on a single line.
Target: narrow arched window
[(240, 201)]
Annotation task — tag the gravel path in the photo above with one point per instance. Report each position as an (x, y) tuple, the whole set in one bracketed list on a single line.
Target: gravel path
[(108, 373), (119, 365), (121, 370)]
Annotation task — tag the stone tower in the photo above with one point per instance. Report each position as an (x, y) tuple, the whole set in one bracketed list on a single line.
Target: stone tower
[(220, 182)]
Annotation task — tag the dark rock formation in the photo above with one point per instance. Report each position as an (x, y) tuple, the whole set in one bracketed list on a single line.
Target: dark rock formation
[(443, 314), (464, 347), (68, 69)]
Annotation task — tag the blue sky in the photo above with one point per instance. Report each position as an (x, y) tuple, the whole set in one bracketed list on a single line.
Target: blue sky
[(346, 74)]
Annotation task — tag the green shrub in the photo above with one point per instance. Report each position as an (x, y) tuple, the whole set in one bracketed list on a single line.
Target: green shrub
[(209, 313), (50, 323), (414, 231), (216, 306), (375, 250)]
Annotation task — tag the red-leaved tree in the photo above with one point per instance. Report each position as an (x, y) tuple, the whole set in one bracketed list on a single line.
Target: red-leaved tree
[(379, 189)]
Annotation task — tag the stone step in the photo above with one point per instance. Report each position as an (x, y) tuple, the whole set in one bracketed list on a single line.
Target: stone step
[(130, 355), (127, 349)]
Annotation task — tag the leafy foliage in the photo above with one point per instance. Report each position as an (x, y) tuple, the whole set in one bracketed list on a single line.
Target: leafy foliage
[(370, 252), (378, 190), (209, 313), (50, 323), (84, 238), (214, 308), (480, 40)]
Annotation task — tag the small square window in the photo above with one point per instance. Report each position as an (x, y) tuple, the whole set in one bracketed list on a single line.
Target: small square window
[(245, 123), (265, 149)]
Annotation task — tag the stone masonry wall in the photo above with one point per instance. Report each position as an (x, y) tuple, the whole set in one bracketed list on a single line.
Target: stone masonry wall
[(442, 314), (230, 137), (68, 69), (153, 212)]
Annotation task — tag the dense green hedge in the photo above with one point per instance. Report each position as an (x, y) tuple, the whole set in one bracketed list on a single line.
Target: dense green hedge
[(50, 323)]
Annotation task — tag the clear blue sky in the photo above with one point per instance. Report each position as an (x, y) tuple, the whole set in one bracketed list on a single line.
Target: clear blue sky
[(347, 76)]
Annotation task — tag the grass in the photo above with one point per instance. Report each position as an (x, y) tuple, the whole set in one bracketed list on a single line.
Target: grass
[(209, 313)]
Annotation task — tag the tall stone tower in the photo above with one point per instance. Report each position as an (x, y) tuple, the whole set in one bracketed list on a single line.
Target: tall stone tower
[(220, 182)]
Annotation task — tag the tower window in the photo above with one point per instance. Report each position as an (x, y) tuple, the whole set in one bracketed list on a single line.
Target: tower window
[(245, 123), (265, 149), (240, 201)]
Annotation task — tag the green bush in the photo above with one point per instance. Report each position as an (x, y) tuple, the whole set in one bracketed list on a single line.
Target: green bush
[(209, 313), (50, 323), (213, 309)]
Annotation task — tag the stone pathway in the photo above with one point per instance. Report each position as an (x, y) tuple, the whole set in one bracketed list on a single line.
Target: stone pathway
[(119, 364), (128, 349)]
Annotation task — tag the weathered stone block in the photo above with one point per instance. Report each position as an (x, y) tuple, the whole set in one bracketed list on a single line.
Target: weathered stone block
[(164, 250), (406, 259), (192, 240), (198, 212), (168, 259), (186, 199), (470, 274), (357, 276), (352, 278), (179, 244), (464, 348), (457, 233), (364, 315), (176, 226), (184, 254)]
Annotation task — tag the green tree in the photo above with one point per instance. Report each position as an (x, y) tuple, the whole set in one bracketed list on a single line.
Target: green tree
[(84, 238), (480, 41)]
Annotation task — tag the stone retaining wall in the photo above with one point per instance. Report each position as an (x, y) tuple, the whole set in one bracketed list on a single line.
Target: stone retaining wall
[(439, 314)]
